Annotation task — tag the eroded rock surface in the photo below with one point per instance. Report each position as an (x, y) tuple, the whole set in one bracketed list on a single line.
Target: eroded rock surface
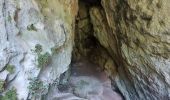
[(141, 29), (32, 33), (127, 39)]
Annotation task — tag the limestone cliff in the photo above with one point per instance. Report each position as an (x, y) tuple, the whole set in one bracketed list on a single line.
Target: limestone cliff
[(36, 38), (135, 34), (128, 39), (141, 28)]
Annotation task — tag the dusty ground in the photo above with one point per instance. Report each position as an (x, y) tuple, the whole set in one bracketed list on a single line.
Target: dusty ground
[(88, 82)]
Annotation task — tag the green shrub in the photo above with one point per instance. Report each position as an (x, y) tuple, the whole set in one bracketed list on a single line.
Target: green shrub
[(10, 68), (10, 95), (2, 85), (44, 59), (38, 48), (36, 87)]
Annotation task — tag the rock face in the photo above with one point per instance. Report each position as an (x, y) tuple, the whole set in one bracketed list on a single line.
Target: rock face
[(129, 39), (142, 45), (36, 38)]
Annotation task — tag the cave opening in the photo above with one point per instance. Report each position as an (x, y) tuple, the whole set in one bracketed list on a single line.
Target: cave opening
[(91, 2), (91, 66), (86, 43)]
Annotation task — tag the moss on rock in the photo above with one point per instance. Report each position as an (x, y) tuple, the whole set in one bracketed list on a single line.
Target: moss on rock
[(2, 85), (10, 68)]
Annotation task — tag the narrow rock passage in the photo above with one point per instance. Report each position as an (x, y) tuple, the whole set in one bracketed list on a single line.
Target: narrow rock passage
[(88, 82)]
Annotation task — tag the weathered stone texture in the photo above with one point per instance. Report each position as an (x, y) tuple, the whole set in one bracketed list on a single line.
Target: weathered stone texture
[(26, 23), (142, 30), (133, 35)]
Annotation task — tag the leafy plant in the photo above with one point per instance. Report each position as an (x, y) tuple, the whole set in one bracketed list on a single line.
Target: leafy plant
[(38, 48), (10, 95), (10, 68), (44, 59), (36, 87), (2, 85)]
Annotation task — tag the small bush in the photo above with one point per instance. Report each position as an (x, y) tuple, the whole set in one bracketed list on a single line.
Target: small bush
[(36, 87), (2, 85), (44, 59), (38, 48), (10, 68), (10, 95)]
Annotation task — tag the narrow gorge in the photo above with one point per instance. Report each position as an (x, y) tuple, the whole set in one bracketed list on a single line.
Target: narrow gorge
[(84, 50)]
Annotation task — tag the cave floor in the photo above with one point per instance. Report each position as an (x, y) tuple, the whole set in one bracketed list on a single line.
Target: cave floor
[(88, 82)]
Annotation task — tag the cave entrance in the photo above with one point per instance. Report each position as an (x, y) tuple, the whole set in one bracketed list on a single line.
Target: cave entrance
[(87, 48), (86, 45), (90, 59), (92, 67)]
